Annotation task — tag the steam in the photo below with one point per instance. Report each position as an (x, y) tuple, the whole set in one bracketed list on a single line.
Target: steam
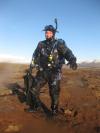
[(6, 73)]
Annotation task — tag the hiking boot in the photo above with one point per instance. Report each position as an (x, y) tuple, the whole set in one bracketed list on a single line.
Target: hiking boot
[(54, 110)]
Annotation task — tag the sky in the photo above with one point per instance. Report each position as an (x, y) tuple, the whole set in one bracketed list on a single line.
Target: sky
[(22, 21)]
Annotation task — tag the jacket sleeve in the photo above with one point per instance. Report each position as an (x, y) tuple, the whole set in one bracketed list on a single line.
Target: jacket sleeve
[(36, 53), (65, 51)]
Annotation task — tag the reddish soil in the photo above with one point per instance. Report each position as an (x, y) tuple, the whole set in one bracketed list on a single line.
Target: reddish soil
[(79, 109)]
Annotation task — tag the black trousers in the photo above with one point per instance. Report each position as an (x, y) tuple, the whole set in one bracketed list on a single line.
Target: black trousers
[(42, 77)]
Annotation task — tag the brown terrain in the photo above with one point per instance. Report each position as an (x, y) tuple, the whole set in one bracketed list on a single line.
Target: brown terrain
[(79, 109)]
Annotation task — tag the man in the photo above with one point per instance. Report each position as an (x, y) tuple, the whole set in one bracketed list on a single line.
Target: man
[(48, 58)]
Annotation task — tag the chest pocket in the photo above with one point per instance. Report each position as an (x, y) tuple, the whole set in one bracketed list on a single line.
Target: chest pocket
[(44, 52)]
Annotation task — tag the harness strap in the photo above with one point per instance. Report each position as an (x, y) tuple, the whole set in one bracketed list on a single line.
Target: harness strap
[(54, 46)]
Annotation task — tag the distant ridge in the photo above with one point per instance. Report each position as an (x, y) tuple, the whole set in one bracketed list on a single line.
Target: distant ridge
[(24, 60), (94, 63)]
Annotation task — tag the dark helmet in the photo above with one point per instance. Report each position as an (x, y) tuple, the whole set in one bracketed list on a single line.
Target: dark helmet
[(49, 28)]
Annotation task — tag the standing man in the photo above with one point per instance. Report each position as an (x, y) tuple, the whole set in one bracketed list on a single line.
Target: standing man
[(48, 58)]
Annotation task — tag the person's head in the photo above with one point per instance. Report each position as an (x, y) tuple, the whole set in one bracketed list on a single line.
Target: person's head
[(49, 32)]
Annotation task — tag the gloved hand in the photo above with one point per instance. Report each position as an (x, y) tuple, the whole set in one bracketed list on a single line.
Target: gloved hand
[(73, 64)]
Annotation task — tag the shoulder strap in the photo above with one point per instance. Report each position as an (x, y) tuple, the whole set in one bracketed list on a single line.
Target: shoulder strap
[(55, 44)]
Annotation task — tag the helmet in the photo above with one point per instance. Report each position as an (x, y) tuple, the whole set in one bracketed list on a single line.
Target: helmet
[(49, 28)]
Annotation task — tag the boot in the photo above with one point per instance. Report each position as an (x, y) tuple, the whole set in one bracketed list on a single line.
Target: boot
[(33, 108), (54, 109)]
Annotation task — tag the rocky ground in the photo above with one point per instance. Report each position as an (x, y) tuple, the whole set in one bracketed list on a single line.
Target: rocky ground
[(79, 109)]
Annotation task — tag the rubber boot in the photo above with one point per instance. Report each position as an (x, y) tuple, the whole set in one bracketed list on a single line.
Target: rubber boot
[(54, 109)]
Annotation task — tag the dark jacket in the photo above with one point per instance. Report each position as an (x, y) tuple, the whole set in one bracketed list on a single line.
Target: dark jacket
[(52, 54)]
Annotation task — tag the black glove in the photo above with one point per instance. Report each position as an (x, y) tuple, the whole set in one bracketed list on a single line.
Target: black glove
[(73, 64)]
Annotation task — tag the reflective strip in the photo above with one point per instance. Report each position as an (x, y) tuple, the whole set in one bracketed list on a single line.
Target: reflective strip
[(49, 64)]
